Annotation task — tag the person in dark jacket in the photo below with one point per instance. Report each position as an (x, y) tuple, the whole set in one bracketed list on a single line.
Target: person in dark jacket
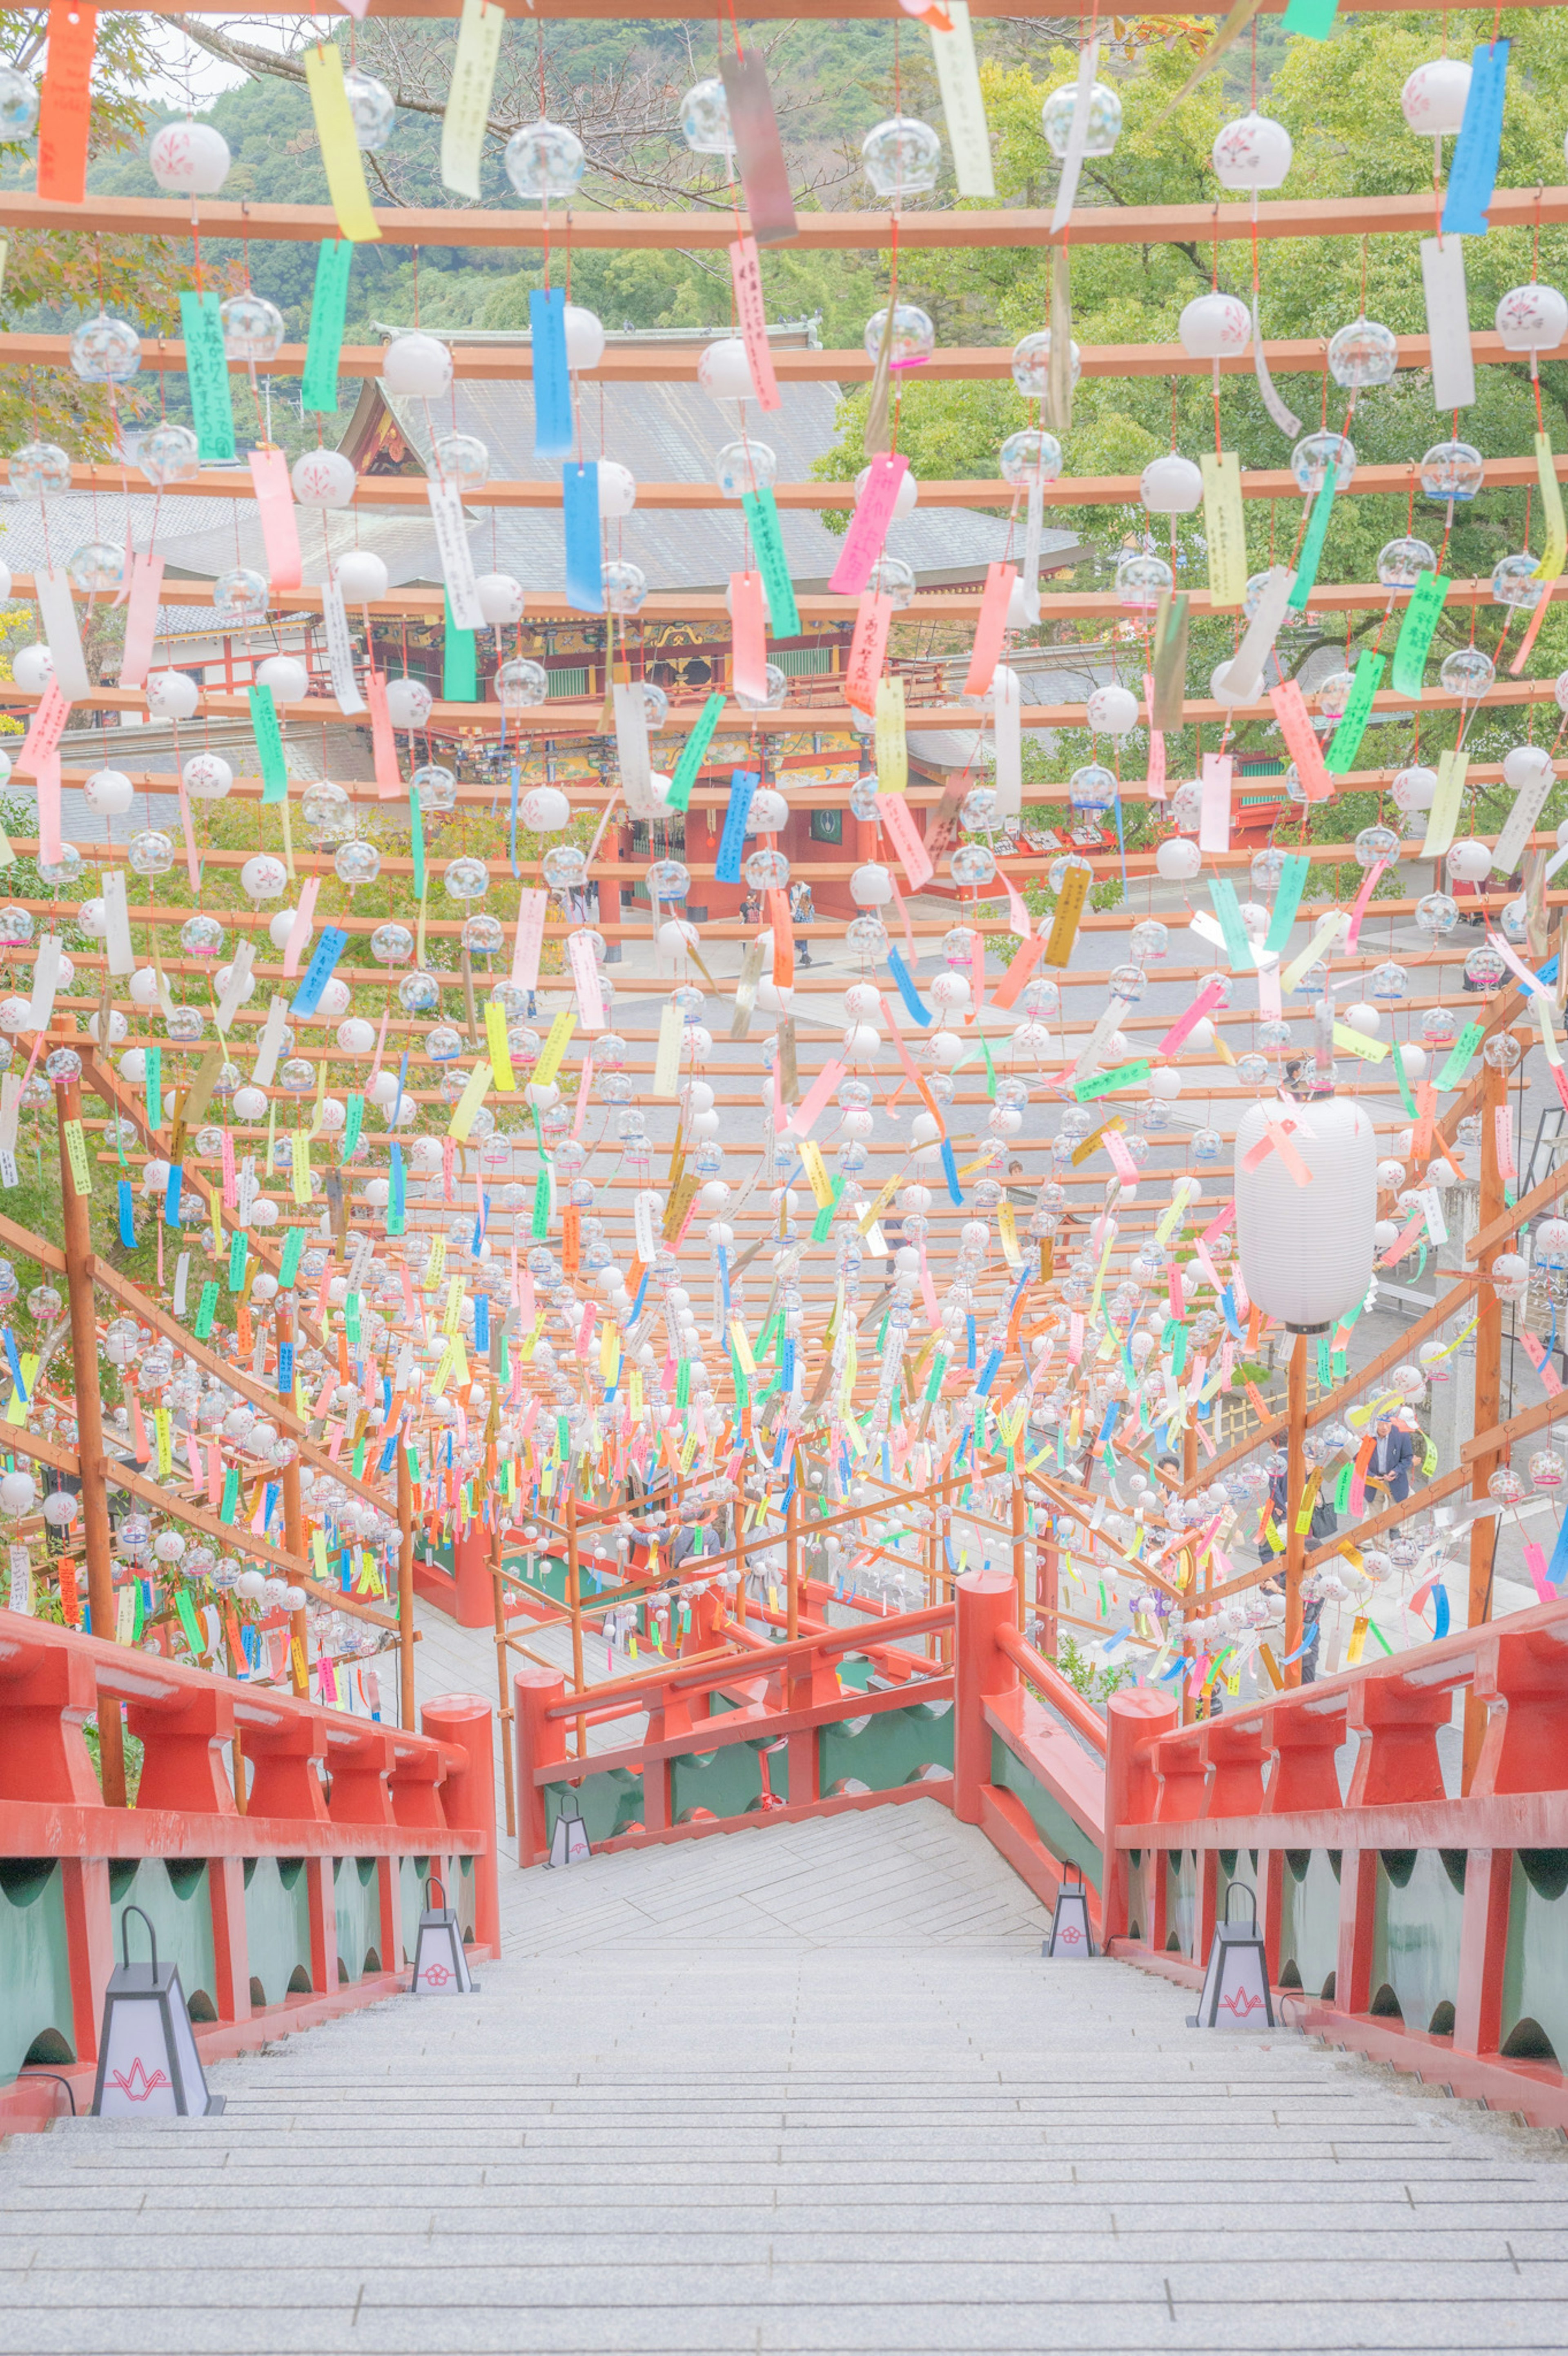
[(1393, 1457), (1324, 1524)]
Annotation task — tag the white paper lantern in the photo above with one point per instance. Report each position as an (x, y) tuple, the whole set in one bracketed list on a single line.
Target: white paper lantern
[(501, 599), (171, 695), (1178, 859), (1112, 710), (1254, 151), (188, 159), (1171, 485), (871, 886), (1306, 1252), (585, 337), (206, 777), (617, 490), (1531, 319), (362, 577), (1527, 765), (16, 1493), (323, 479), (109, 792), (724, 370), (418, 365), (32, 667), (408, 703), (286, 676), (1469, 861), (544, 810), (356, 1036), (1215, 327), (1433, 100)]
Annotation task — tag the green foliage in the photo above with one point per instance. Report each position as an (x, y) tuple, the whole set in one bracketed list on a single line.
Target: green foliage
[(1096, 1684)]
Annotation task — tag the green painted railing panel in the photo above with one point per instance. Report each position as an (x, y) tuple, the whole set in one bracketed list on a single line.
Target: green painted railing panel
[(1063, 1837), (176, 1897), (277, 1926), (609, 1802), (726, 1782), (356, 1895), (35, 1965), (1310, 1921), (887, 1749), (1416, 1934), (1535, 1977), (546, 1576), (1181, 1903)]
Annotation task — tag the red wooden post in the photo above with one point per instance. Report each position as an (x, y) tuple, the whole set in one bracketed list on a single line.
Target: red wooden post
[(89, 1942), (475, 1598), (322, 1900), (1357, 1899), (230, 1946), (1131, 1791), (468, 1797), (985, 1602), (541, 1742), (1483, 1950)]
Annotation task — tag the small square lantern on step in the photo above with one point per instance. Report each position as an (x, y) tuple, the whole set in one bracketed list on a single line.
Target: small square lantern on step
[(440, 1965), (1071, 1933), (148, 2067), (569, 1843), (1236, 1984)]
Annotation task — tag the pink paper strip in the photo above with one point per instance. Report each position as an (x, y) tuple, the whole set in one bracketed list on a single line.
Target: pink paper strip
[(898, 824), (45, 729), (1534, 1556), (299, 931), (1207, 997), (383, 743), (47, 772), (380, 1042), (528, 939), (192, 864), (280, 528), (1025, 959), (585, 1090), (1301, 740), (805, 1113), (1359, 907), (991, 628), (745, 277), (748, 637), (869, 649), (1502, 1127), (1155, 781), (1017, 914), (141, 619), (1122, 1161), (869, 526), (585, 981)]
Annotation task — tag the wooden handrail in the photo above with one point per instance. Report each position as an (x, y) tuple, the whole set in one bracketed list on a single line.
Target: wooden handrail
[(699, 1672), (1058, 1693)]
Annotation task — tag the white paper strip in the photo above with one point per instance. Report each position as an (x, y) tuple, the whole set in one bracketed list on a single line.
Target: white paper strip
[(45, 981), (10, 1110), (239, 975), (467, 118), (1448, 322), (1007, 693), (1034, 531), (57, 611), (1519, 824), (958, 77), (1078, 134), (270, 1045), (1244, 674), (1285, 417), (457, 556), (1214, 814), (632, 748), (339, 648), (122, 956)]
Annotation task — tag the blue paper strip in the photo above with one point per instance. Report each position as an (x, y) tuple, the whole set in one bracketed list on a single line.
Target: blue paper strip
[(907, 990), (395, 1203), (14, 1362), (318, 973), (171, 1195), (968, 1345), (949, 1172), (988, 1374), (1473, 174), (580, 522), (127, 1227), (743, 784), (286, 1369), (481, 1321), (553, 435)]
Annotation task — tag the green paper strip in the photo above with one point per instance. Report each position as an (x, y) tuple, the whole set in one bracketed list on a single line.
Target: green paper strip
[(206, 374), (990, 1072), (541, 1227), (230, 1506), (1312, 546), (459, 662), (154, 1081), (1340, 757), (187, 1620), (1405, 1089), (354, 1121), (1312, 19), (1420, 619), (360, 1452), (269, 744), (1237, 948), (1453, 1073), (1287, 900), (1106, 1084), (329, 310), (768, 541), (691, 761), (208, 1304), (934, 1379), (416, 840), (237, 1261), (824, 1218), (292, 1250)]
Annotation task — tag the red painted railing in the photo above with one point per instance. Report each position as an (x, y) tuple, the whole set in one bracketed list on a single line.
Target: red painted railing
[(685, 1776), (1411, 1923), (335, 1803)]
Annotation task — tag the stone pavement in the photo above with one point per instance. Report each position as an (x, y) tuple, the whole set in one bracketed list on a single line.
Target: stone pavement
[(799, 2088)]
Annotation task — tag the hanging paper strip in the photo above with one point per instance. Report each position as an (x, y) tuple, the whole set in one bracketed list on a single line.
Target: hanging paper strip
[(341, 156), (206, 376), (1473, 174), (760, 152), (64, 105), (1340, 757), (1420, 619), (580, 526), (768, 545), (329, 310), (1306, 564)]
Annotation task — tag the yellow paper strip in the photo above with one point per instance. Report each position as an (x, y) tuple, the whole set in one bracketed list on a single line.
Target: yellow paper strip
[(817, 1178), (555, 1047), (468, 1103), (467, 118), (501, 1053), (1225, 527), (1372, 1051), (892, 745), (340, 146), (1551, 565), (1443, 817), (667, 1055)]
